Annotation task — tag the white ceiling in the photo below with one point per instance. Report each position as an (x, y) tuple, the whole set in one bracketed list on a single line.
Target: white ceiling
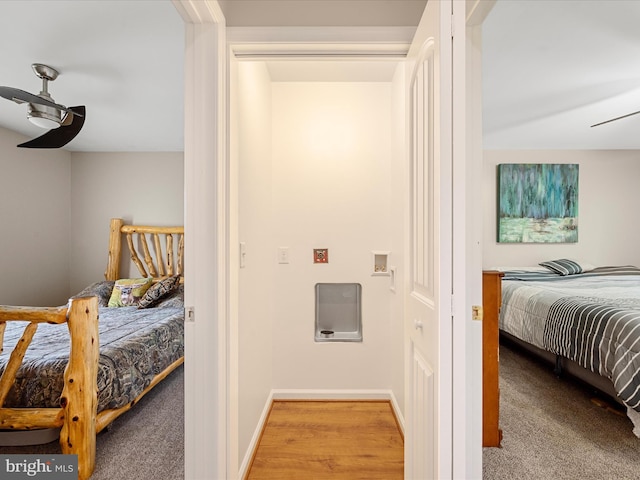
[(122, 59), (551, 68), (322, 13)]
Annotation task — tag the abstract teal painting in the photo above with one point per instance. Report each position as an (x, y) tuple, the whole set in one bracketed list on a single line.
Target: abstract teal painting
[(537, 203)]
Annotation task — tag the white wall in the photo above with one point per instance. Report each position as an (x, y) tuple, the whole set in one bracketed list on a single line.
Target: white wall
[(608, 198), (331, 188), (56, 207), (34, 214), (255, 315), (145, 188), (319, 166)]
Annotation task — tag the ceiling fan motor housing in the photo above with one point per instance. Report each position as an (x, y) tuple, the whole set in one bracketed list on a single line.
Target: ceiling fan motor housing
[(44, 116), (62, 123)]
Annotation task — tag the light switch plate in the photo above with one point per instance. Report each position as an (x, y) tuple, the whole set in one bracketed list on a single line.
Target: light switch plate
[(243, 254)]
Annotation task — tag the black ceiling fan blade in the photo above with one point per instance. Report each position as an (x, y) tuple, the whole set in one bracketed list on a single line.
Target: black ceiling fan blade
[(20, 96), (59, 137), (68, 118), (617, 118)]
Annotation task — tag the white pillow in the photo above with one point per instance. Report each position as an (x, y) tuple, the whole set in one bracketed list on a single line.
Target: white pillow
[(586, 267), (536, 268)]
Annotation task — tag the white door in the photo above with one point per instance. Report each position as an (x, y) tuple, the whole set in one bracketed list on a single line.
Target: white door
[(428, 323)]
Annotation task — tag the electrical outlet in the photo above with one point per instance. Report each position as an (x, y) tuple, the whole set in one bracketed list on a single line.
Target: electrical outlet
[(283, 254)]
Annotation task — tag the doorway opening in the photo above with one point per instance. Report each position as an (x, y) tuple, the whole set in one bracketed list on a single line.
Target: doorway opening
[(317, 157)]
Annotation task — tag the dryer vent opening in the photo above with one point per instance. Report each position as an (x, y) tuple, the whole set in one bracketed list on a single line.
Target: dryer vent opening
[(338, 312)]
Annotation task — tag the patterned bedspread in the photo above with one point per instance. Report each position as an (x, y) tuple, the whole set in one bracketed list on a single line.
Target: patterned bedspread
[(135, 345), (591, 318)]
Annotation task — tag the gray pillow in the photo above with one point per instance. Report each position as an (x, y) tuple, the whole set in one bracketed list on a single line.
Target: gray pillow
[(102, 290), (563, 267)]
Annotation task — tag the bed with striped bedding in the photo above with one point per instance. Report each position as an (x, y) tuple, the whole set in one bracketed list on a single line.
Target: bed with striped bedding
[(592, 318)]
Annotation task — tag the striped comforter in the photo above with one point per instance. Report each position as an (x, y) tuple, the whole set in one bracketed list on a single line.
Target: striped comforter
[(591, 318)]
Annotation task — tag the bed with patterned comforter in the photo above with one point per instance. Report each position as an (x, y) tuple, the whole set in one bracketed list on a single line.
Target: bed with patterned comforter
[(592, 318), (135, 346)]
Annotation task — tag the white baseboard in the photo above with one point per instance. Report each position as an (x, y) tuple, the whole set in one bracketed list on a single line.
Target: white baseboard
[(253, 444), (297, 394), (397, 411)]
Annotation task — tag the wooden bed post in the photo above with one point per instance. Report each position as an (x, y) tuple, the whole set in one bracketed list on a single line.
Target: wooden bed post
[(491, 300), (79, 399), (115, 246)]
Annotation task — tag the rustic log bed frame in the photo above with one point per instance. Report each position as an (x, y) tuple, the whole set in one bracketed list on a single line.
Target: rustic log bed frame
[(77, 415)]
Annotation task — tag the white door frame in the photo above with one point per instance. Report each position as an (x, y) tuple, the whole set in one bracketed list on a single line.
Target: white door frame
[(207, 452), (207, 428), (467, 267)]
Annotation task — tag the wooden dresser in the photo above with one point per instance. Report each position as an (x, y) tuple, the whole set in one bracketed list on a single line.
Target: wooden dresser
[(491, 300)]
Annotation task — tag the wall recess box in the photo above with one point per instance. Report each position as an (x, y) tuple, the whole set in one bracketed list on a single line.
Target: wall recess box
[(320, 255), (338, 312), (380, 263)]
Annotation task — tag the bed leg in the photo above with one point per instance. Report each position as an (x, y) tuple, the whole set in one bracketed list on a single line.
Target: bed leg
[(109, 427), (79, 398), (558, 368)]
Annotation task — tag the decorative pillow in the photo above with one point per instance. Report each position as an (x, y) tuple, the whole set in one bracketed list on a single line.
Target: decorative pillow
[(174, 299), (127, 292), (158, 291), (563, 266), (102, 290)]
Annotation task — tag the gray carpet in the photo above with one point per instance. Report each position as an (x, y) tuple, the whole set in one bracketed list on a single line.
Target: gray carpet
[(553, 430), (147, 442)]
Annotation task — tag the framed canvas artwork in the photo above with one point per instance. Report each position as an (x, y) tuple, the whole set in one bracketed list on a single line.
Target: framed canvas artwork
[(538, 203)]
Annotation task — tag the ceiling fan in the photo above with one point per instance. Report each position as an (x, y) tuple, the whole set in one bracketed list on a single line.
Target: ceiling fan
[(64, 122), (617, 118)]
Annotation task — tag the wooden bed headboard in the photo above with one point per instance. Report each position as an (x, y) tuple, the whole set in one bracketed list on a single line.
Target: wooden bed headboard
[(160, 264)]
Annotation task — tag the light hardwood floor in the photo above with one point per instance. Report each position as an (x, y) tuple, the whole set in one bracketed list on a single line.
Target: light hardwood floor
[(316, 440)]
